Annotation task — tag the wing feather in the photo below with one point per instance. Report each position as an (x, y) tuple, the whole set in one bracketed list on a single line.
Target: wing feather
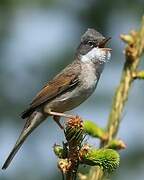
[(53, 89), (65, 80)]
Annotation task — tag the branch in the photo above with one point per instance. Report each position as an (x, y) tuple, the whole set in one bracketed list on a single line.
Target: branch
[(76, 152), (133, 52)]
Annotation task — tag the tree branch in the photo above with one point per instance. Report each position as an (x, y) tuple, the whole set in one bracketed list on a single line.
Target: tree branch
[(133, 52)]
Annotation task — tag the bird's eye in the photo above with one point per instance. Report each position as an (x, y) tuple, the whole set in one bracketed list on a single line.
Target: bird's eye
[(91, 43)]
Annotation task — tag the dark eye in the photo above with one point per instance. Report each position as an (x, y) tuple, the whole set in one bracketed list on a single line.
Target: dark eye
[(91, 43)]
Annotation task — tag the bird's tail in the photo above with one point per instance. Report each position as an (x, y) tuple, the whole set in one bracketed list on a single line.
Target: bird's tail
[(31, 123)]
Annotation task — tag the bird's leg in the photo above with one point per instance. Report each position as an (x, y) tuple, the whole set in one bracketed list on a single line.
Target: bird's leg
[(52, 113), (57, 120)]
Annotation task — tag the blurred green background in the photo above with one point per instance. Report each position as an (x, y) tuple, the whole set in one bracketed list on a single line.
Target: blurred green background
[(37, 39)]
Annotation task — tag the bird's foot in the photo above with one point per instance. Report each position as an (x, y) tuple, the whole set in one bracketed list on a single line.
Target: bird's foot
[(57, 116), (52, 113), (57, 120)]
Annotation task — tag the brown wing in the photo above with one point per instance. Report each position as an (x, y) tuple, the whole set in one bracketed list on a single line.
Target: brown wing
[(53, 89), (64, 81)]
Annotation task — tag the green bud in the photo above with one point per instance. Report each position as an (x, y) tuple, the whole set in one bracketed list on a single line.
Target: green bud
[(74, 130), (127, 38), (116, 144), (107, 159), (94, 130), (59, 151)]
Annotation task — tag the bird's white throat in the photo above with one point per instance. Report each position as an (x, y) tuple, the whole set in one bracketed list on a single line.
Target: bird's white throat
[(96, 54)]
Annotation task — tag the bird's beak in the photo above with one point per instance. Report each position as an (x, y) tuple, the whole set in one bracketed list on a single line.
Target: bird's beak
[(103, 43)]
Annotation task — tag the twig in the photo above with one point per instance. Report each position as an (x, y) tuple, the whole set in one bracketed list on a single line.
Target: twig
[(133, 53), (138, 75)]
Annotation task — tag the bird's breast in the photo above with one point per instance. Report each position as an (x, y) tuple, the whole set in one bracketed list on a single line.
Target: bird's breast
[(73, 98), (88, 76)]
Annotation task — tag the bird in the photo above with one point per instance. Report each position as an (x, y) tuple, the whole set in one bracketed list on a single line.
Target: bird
[(69, 88)]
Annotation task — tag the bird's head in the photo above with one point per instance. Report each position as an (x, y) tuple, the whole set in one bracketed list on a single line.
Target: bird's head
[(92, 47)]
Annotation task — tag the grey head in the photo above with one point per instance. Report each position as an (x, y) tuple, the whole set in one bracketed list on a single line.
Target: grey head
[(92, 44)]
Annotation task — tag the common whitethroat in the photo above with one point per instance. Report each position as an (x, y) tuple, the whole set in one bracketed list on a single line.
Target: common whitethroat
[(67, 90)]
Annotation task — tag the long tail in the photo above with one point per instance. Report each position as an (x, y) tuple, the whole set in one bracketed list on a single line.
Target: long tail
[(31, 123)]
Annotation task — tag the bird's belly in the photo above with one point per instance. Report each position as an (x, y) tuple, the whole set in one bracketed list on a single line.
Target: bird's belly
[(71, 99)]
